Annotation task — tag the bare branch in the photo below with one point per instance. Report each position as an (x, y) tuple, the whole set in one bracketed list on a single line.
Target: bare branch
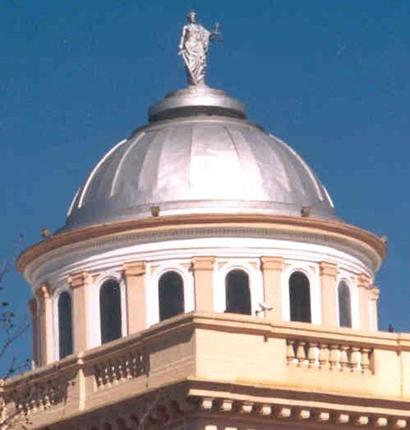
[(12, 338)]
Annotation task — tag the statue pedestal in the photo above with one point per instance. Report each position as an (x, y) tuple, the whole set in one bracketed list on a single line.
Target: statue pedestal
[(198, 99)]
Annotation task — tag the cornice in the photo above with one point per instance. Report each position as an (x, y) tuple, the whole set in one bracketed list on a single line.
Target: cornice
[(304, 229)]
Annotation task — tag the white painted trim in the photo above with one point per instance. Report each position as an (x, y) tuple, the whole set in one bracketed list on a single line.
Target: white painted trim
[(94, 317), (153, 276), (255, 282), (70, 209), (107, 253), (121, 162), (94, 171), (64, 288), (350, 281), (312, 273)]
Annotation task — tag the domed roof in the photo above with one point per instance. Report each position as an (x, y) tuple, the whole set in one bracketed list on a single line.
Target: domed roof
[(198, 155)]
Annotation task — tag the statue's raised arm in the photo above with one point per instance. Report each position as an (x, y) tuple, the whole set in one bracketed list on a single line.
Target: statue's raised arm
[(193, 47)]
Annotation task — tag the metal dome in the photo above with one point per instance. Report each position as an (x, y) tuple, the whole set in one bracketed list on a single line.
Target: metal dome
[(198, 155)]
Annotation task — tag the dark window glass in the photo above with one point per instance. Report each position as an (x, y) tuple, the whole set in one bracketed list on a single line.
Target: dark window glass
[(238, 297), (171, 295), (345, 315), (299, 294), (65, 330), (110, 311)]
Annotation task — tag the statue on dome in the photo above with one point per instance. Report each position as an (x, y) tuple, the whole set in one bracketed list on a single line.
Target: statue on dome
[(193, 48)]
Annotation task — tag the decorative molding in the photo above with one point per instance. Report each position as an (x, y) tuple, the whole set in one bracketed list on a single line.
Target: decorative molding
[(368, 243), (53, 264), (135, 268), (203, 263), (79, 280), (44, 291), (124, 376), (328, 269), (272, 263), (374, 293), (364, 281)]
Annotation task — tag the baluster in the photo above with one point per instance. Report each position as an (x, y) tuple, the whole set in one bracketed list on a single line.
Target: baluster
[(106, 374), (98, 372), (128, 362), (323, 356), (344, 359), (300, 352), (49, 397), (111, 372), (32, 405), (312, 354), (98, 375), (365, 360), (334, 357), (290, 352), (116, 370), (121, 369), (354, 359), (141, 364)]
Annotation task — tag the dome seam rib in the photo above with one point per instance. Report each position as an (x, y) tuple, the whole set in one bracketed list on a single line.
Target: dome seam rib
[(304, 165), (233, 144), (121, 162), (94, 171)]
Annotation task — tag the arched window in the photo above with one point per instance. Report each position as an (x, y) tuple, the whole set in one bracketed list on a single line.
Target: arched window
[(345, 314), (65, 328), (170, 295), (299, 295), (110, 310), (238, 296)]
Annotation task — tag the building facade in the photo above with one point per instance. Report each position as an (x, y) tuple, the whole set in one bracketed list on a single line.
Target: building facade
[(203, 281)]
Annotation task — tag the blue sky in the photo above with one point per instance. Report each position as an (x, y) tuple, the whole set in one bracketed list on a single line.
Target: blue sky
[(332, 78)]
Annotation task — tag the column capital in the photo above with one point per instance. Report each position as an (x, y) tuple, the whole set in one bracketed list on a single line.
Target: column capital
[(328, 269), (44, 291), (364, 281), (203, 263), (272, 263), (134, 268), (78, 279), (374, 293)]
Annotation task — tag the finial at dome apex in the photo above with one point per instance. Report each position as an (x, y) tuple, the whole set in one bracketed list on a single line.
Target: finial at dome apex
[(193, 48)]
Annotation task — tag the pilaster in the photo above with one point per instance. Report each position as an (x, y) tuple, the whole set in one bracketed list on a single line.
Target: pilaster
[(272, 268), (135, 281), (328, 277), (374, 294), (203, 269), (79, 284), (45, 324), (363, 283)]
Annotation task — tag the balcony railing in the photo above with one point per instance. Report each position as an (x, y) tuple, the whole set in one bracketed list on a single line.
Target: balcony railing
[(180, 348)]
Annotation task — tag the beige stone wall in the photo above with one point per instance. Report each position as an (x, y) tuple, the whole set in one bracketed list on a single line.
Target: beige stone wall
[(328, 288), (203, 283), (229, 359), (272, 268), (135, 281), (79, 284)]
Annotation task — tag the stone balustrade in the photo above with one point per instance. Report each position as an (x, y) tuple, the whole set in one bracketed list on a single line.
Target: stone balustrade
[(119, 368), (40, 389), (330, 356), (217, 347)]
